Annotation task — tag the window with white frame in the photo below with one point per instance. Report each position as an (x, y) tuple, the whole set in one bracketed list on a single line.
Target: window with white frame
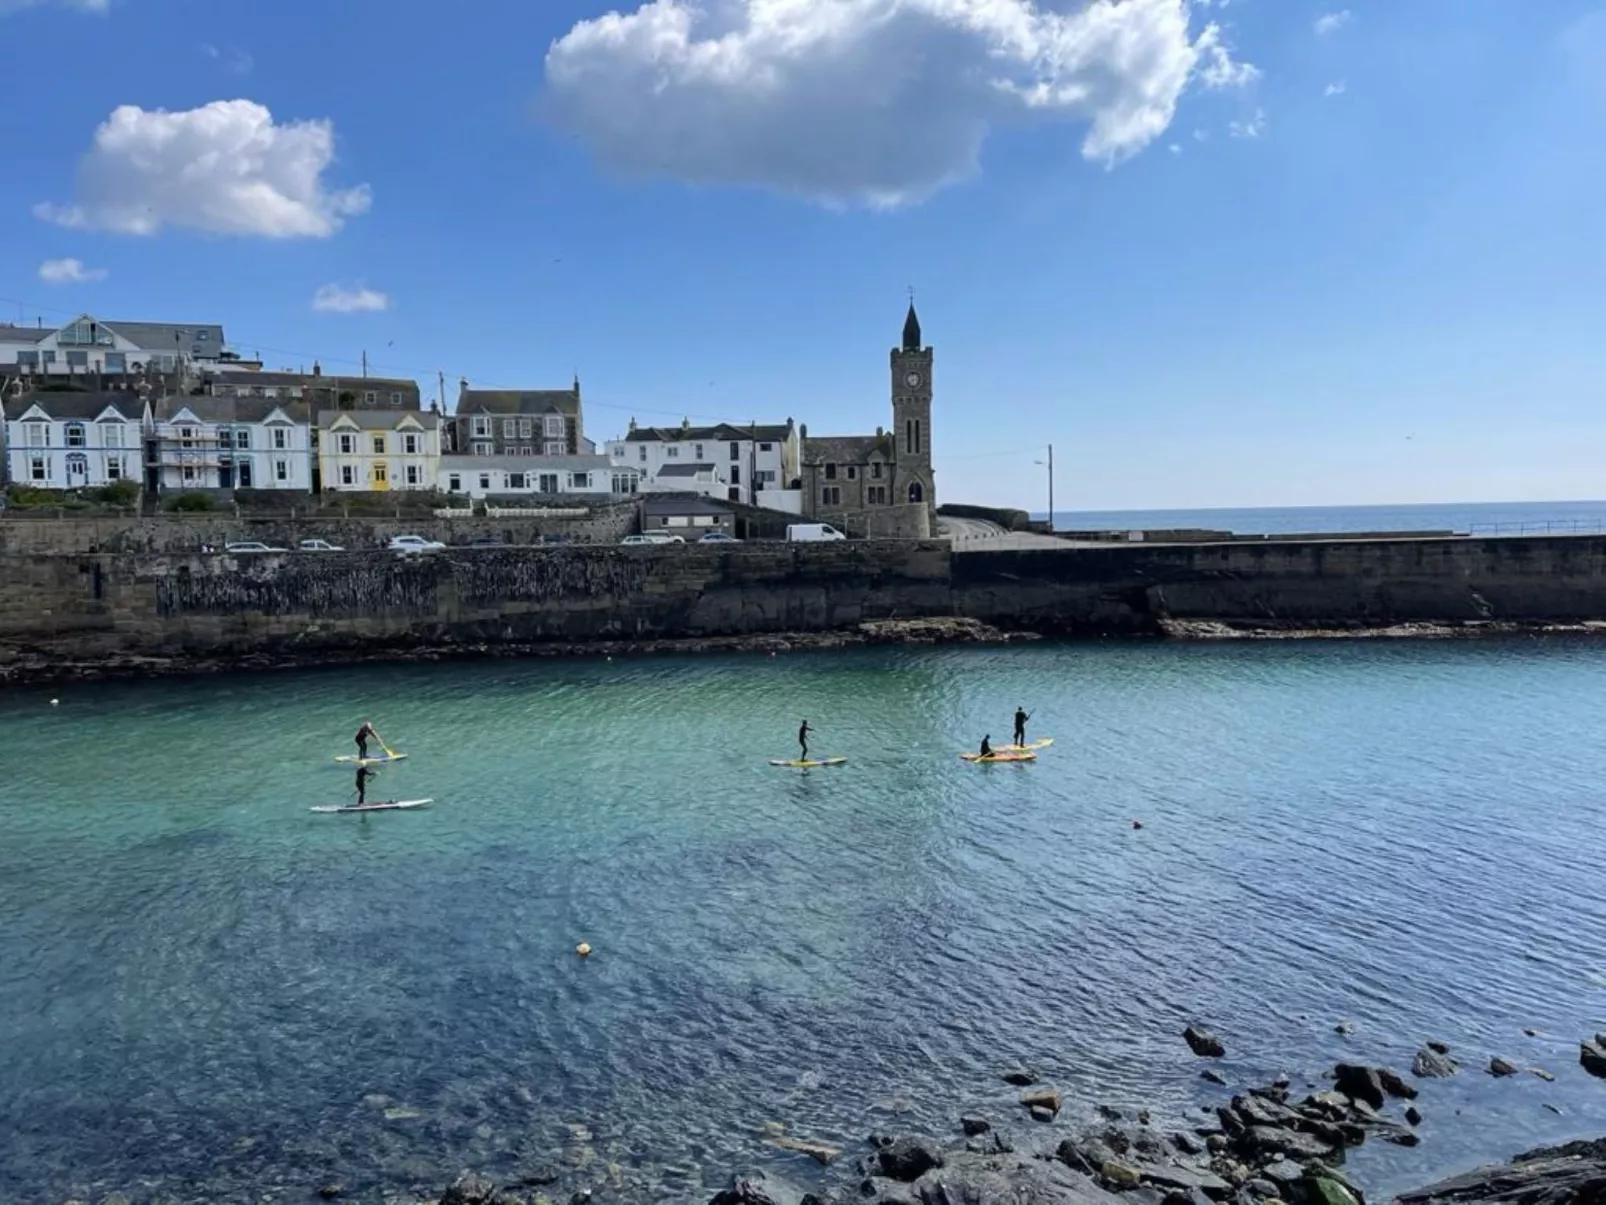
[(526, 428), (454, 483), (36, 468), (510, 428), (556, 448), (580, 481), (624, 483), (370, 396), (548, 483), (831, 495), (482, 425), (186, 437), (415, 476), (875, 470), (485, 481), (281, 470), (554, 426), (699, 451), (114, 468), (242, 438), (111, 434), (75, 435), (188, 474), (281, 438), (764, 447), (395, 400), (410, 444), (515, 481), (736, 450), (643, 456), (483, 449), (348, 475), (379, 445), (348, 445), (672, 451), (37, 435)]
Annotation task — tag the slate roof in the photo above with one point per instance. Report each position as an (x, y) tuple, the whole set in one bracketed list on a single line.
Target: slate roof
[(81, 406), (158, 336), (684, 470), (24, 334), (458, 463), (379, 420), (518, 401), (767, 432), (846, 449), (685, 504), (210, 409)]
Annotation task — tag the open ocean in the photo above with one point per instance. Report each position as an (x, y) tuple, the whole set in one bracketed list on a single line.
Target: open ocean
[(209, 994), (1472, 518)]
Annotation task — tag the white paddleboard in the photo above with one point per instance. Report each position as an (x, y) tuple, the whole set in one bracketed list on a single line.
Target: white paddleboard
[(351, 759), (391, 805), (810, 765)]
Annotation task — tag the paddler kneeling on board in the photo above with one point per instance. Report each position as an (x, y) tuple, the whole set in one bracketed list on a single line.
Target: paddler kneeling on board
[(364, 773), (363, 733), (987, 745)]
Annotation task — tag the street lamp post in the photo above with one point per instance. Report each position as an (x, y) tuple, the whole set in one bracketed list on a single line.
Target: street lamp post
[(1050, 463)]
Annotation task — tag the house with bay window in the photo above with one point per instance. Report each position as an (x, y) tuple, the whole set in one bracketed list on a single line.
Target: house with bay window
[(64, 441), (226, 443), (110, 348), (378, 450), (478, 477), (517, 422)]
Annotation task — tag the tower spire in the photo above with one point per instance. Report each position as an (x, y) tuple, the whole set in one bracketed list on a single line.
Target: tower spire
[(911, 326)]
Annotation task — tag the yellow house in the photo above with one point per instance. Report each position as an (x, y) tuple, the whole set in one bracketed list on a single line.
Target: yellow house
[(378, 450)]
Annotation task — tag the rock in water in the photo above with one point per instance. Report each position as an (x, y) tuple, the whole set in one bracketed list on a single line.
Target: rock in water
[(1203, 1044), (1359, 1083), (1592, 1055), (757, 1189), (973, 1125), (1432, 1063), (1412, 1116), (908, 1159), (1211, 1075), (1500, 1068), (1020, 1077), (1319, 1190), (1394, 1085), (818, 1151), (470, 1189), (1565, 1175), (1041, 1098)]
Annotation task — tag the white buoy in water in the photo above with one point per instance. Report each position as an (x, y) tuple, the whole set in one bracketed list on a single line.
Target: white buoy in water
[(583, 949), (55, 702)]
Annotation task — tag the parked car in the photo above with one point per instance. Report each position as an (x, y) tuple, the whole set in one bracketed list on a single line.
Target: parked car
[(718, 537), (804, 532), (652, 537), (486, 542), (249, 546), (412, 545), (557, 537), (318, 546)]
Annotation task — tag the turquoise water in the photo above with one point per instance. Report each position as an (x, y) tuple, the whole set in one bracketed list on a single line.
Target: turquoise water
[(205, 987), (1473, 518)]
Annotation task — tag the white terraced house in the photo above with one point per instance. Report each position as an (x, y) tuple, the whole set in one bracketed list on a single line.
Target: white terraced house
[(757, 463), (506, 476), (64, 441), (206, 443)]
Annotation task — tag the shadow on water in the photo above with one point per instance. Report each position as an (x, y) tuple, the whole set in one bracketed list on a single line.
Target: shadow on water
[(204, 986)]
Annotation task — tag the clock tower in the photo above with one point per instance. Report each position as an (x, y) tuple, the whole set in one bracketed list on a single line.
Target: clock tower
[(912, 479)]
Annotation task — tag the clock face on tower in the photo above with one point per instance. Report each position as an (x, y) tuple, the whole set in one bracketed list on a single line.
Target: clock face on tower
[(912, 380)]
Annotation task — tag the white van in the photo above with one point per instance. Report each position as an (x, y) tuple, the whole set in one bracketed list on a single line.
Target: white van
[(798, 532)]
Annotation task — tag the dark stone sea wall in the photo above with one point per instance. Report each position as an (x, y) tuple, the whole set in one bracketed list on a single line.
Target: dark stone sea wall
[(70, 614)]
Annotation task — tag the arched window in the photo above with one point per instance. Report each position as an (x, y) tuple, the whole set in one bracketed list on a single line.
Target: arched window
[(917, 492)]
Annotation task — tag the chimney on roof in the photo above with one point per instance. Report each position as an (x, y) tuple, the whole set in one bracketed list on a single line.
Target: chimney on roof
[(879, 432), (462, 391), (632, 422), (317, 369), (576, 384)]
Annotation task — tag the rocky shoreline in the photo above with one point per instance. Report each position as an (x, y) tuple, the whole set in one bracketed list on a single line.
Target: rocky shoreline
[(1213, 629), (1267, 1145), (31, 667)]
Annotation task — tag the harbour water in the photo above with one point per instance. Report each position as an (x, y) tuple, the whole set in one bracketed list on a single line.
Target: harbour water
[(208, 992), (1472, 518)]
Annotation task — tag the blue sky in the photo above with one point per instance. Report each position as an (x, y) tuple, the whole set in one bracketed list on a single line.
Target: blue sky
[(1250, 252)]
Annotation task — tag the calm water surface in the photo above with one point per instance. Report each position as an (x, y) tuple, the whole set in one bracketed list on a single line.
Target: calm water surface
[(201, 983)]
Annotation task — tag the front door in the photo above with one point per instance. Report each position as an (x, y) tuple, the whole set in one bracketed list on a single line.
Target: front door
[(245, 474), (379, 477), (77, 470)]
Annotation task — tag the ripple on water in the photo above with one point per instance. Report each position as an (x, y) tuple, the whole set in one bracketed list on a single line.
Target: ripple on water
[(200, 981)]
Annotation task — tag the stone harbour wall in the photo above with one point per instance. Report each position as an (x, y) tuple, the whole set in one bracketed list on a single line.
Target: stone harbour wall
[(91, 607)]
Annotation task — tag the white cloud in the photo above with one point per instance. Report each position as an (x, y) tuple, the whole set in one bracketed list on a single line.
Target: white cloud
[(239, 62), (224, 168), (88, 6), (1331, 23), (875, 102), (1253, 128), (1337, 89), (358, 299), (68, 272), (1175, 148)]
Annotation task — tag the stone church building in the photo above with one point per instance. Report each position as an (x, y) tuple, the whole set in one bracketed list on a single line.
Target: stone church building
[(880, 485)]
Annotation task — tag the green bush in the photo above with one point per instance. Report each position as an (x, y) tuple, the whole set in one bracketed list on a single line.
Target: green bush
[(118, 493), (193, 503)]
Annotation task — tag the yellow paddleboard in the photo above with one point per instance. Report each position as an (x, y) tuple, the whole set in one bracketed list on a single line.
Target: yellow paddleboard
[(998, 756)]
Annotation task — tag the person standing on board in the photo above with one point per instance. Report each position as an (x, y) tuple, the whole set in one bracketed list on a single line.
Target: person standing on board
[(364, 773), (803, 740), (363, 733), (1021, 716)]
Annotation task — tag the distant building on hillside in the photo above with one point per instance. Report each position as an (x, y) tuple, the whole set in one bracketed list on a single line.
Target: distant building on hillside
[(89, 346), (318, 390)]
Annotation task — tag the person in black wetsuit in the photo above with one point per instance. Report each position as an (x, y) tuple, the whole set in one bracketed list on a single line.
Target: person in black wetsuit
[(364, 773), (803, 741), (987, 745), (363, 733), (1021, 716)]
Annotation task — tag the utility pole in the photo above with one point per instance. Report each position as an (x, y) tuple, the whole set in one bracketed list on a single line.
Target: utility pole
[(441, 377), (1050, 489), (365, 363)]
